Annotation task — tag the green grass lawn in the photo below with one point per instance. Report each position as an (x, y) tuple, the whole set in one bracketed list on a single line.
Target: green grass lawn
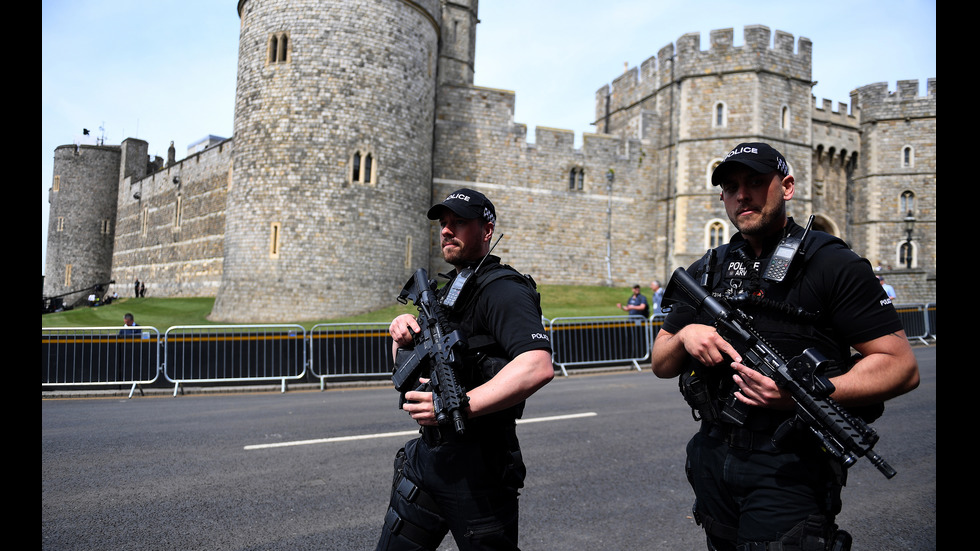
[(556, 301)]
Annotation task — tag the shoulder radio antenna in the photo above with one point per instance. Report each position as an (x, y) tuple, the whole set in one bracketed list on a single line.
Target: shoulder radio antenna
[(490, 251)]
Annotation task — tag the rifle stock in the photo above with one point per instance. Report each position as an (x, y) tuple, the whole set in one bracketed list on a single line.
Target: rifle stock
[(841, 434), (436, 355)]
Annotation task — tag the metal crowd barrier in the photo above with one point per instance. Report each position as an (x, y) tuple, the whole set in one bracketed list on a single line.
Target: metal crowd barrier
[(100, 356), (919, 321), (600, 340), (77, 356), (230, 353), (350, 350), (931, 319)]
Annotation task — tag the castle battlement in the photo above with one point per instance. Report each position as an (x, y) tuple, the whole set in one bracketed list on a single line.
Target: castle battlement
[(761, 52), (878, 103), (906, 90), (755, 55), (823, 111)]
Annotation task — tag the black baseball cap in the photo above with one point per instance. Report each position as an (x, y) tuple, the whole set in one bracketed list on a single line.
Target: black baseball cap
[(466, 203), (760, 157)]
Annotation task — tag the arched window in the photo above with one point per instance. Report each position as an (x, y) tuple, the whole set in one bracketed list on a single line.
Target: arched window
[(367, 168), (720, 119), (716, 233), (784, 118), (283, 48), (278, 48), (576, 179), (908, 157), (363, 168), (712, 165), (906, 203), (906, 254)]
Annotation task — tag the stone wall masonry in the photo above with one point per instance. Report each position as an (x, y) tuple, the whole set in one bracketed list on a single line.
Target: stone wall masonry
[(557, 234), (891, 121), (174, 260)]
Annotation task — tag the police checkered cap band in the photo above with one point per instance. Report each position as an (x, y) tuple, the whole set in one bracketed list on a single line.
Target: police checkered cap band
[(760, 157), (466, 203)]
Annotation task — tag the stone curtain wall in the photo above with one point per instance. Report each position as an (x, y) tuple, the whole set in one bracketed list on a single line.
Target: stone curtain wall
[(175, 258)]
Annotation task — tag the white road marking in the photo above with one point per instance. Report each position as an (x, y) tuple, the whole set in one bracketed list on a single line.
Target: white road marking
[(401, 433)]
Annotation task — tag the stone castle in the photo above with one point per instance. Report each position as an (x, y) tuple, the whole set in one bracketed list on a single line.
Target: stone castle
[(353, 117)]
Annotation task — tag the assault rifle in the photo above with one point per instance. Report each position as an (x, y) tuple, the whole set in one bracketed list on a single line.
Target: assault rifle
[(844, 436), (436, 354)]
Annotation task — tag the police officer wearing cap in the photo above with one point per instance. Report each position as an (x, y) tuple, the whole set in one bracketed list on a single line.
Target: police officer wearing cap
[(468, 484), (751, 493)]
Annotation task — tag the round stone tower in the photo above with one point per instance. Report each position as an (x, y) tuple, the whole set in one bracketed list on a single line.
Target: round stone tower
[(332, 165), (82, 218)]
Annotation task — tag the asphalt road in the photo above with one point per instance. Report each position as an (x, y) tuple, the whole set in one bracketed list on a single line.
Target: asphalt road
[(195, 472)]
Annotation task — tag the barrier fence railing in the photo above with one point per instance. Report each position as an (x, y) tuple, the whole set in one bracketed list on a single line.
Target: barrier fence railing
[(100, 356), (599, 340), (915, 319), (234, 353), (79, 356), (931, 319), (350, 350)]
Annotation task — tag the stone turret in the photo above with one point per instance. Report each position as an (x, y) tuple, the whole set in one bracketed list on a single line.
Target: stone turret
[(333, 157)]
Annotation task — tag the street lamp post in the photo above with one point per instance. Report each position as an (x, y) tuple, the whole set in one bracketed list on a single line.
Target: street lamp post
[(610, 177)]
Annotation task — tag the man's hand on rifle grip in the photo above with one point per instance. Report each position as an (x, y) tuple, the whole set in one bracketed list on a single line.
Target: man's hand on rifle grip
[(419, 406), (403, 328)]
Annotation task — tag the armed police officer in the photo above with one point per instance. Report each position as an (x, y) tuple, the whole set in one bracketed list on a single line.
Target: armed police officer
[(468, 484), (754, 492)]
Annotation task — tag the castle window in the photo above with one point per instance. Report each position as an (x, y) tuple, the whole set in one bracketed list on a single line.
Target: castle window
[(908, 157), (906, 254), (711, 169), (362, 168), (907, 203), (60, 225), (178, 208), (145, 222), (716, 232), (784, 118), (275, 236), (278, 48), (576, 179), (408, 252), (720, 115), (68, 275), (104, 226), (57, 182)]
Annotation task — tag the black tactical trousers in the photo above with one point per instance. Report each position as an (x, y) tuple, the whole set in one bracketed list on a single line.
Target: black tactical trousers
[(467, 486), (745, 495)]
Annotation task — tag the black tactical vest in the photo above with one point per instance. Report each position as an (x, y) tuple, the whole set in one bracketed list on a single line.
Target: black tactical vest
[(735, 278), (484, 356)]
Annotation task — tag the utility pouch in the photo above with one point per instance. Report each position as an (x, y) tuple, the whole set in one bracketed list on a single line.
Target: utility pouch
[(695, 391)]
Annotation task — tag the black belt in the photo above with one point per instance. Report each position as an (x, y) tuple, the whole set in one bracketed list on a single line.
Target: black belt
[(444, 434), (740, 437)]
